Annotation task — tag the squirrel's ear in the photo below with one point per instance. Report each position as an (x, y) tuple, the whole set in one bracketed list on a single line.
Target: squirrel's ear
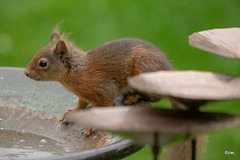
[(61, 47), (55, 37)]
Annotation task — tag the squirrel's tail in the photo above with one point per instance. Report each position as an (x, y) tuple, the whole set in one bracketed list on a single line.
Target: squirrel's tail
[(175, 104), (186, 104)]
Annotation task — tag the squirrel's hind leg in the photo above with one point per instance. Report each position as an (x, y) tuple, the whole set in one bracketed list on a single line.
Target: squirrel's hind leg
[(135, 97), (131, 99)]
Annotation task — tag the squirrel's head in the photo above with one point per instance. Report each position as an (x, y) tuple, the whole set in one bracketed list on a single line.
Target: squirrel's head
[(50, 63)]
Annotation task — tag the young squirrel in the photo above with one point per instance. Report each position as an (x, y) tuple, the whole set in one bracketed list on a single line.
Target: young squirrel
[(99, 75)]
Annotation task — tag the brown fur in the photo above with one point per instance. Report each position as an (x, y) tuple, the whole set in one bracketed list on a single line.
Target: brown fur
[(99, 75)]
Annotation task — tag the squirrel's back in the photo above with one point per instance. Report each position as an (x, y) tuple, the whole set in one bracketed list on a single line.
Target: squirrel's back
[(119, 59), (132, 55)]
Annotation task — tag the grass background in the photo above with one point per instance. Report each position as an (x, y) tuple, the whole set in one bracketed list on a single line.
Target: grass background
[(25, 26)]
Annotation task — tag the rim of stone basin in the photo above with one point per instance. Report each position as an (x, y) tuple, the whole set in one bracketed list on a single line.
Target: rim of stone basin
[(113, 151)]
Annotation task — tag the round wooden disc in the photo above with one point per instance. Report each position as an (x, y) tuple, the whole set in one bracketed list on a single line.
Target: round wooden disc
[(224, 42), (148, 119), (194, 85), (142, 124)]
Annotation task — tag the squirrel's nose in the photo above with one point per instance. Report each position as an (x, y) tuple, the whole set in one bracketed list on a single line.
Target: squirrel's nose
[(26, 72)]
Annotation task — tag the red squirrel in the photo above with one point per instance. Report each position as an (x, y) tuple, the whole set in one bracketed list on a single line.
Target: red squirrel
[(98, 75)]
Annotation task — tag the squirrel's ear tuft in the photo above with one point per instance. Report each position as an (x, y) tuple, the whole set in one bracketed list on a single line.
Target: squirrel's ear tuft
[(61, 47), (55, 37)]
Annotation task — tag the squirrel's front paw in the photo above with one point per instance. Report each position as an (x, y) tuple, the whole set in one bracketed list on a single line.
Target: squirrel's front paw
[(63, 118)]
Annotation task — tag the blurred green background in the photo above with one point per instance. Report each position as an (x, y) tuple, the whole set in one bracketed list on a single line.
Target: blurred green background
[(26, 26)]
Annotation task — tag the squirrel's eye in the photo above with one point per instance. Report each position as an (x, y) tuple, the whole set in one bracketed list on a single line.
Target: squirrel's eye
[(43, 64)]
